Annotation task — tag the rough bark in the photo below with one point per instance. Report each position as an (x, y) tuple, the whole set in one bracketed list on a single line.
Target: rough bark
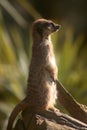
[(75, 109), (49, 120)]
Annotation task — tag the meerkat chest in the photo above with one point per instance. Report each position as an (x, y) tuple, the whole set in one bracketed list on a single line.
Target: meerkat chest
[(51, 57), (52, 61)]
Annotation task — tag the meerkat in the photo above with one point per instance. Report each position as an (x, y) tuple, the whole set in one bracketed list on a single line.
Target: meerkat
[(41, 89)]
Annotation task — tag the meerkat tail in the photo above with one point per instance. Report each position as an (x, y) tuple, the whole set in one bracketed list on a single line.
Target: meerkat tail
[(21, 106)]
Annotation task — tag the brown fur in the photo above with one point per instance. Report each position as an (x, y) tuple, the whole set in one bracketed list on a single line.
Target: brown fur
[(41, 90)]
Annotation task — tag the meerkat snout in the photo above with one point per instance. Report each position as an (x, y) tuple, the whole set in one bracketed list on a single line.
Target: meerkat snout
[(56, 27)]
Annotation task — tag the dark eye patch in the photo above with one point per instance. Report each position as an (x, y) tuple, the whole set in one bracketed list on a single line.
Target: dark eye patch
[(51, 24), (47, 24)]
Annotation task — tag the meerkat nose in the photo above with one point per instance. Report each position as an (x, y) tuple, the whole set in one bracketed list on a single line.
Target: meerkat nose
[(57, 26)]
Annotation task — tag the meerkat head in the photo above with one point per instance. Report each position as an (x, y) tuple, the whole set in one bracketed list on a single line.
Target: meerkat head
[(45, 27)]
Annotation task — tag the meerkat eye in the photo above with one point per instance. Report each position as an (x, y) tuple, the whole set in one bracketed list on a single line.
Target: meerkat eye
[(50, 26)]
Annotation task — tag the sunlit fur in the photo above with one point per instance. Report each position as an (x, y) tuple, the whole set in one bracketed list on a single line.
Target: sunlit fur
[(41, 89)]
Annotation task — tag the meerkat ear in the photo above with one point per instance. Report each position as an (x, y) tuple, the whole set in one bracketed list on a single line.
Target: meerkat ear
[(40, 31)]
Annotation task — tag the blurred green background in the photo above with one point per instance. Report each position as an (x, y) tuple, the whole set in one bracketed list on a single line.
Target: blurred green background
[(70, 45)]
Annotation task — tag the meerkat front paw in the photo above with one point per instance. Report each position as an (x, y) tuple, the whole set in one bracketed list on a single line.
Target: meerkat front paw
[(54, 109)]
